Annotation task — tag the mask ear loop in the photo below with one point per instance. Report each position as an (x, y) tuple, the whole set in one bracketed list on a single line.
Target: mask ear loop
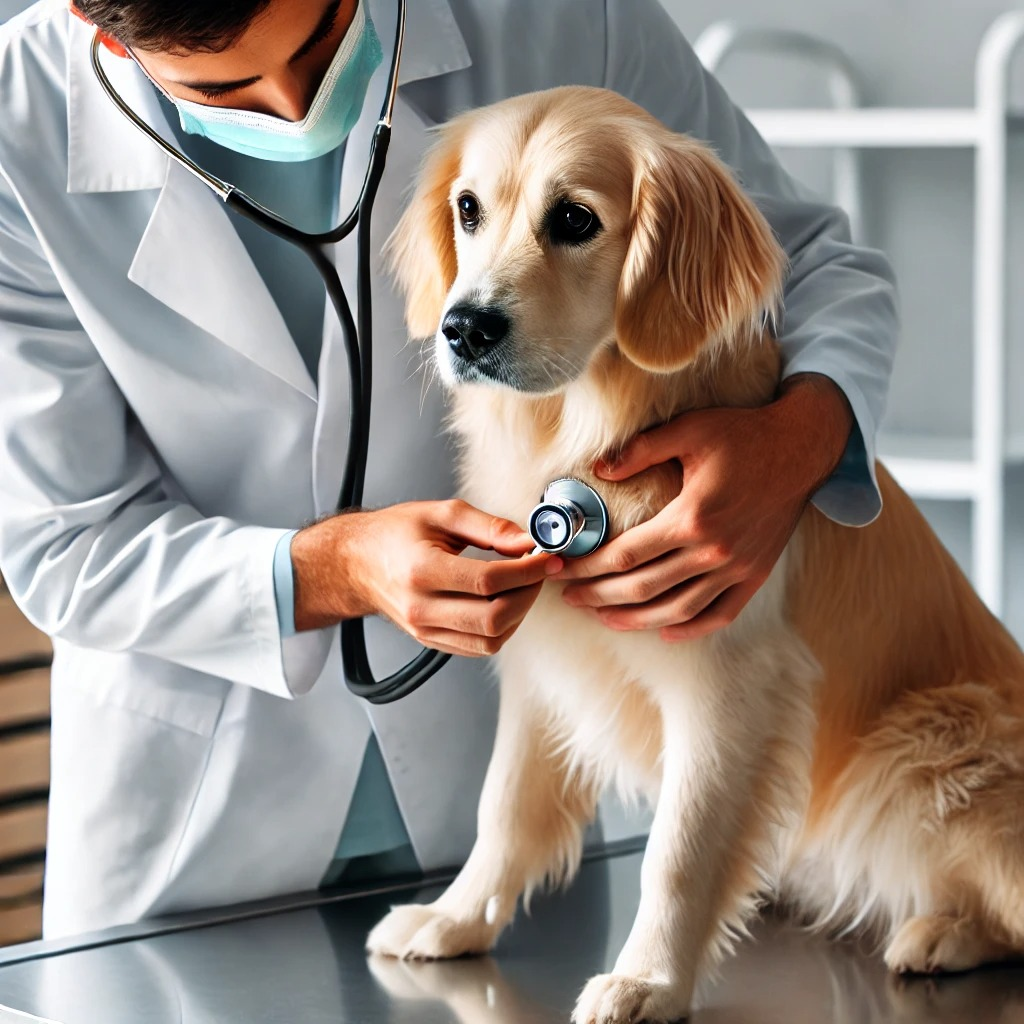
[(109, 42)]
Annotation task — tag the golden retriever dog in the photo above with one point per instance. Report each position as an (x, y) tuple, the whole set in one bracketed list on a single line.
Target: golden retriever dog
[(853, 744)]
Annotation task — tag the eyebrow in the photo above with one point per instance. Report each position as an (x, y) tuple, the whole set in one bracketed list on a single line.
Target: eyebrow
[(319, 33)]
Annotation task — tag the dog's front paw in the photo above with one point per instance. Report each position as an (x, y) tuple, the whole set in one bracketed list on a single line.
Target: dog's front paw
[(623, 999), (416, 932)]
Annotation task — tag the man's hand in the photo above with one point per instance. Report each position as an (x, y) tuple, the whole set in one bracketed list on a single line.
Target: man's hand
[(403, 562), (747, 475)]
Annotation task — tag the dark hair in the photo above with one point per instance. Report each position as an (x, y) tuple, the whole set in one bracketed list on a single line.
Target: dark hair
[(174, 25)]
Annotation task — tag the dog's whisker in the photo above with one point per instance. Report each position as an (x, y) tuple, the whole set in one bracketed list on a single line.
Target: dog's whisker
[(430, 373)]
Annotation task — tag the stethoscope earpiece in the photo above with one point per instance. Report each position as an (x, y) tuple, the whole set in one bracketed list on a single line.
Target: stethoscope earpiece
[(571, 519)]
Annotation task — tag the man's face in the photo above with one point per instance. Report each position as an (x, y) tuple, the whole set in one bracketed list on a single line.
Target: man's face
[(275, 67)]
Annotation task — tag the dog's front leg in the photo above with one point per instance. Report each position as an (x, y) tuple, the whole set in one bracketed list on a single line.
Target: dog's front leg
[(530, 827), (699, 868)]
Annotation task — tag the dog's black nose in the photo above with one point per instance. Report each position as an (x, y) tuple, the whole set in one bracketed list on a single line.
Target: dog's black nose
[(472, 331)]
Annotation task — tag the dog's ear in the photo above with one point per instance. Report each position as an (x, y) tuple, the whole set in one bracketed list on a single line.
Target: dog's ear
[(421, 249), (702, 263)]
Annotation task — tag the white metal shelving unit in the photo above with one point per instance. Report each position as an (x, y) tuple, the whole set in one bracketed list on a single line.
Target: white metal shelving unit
[(959, 468)]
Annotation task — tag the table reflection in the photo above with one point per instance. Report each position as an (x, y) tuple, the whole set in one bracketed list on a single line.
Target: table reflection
[(307, 966)]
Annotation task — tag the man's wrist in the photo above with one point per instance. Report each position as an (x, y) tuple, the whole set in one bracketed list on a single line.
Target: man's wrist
[(326, 590), (816, 417)]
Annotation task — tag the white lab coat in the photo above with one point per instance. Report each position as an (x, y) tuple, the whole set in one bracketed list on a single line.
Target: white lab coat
[(159, 431)]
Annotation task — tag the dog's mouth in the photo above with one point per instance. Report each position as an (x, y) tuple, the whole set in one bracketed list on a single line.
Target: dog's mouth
[(502, 368), (489, 369)]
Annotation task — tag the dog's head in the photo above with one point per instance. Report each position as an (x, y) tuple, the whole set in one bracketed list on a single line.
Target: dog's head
[(551, 226)]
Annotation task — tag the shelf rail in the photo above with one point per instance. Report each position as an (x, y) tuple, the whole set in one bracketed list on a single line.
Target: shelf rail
[(992, 95), (984, 127), (725, 39)]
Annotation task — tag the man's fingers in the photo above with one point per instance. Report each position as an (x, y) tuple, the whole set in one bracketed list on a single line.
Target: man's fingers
[(457, 575), (627, 552), (717, 615), (682, 604), (492, 617), (645, 584), (464, 644), (512, 545), (650, 448), (482, 530)]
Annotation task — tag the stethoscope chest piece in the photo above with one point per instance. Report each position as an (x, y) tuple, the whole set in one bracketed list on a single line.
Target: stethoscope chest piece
[(571, 519)]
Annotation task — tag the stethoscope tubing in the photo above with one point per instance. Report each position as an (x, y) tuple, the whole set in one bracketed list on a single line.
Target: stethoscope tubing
[(358, 339)]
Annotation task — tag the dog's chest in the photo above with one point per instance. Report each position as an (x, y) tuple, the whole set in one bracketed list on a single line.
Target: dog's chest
[(506, 461), (512, 489)]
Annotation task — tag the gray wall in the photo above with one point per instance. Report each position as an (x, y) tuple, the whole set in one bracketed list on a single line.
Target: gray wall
[(911, 53), (918, 204)]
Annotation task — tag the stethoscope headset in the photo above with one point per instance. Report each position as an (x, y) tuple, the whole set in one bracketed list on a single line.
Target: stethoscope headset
[(571, 518)]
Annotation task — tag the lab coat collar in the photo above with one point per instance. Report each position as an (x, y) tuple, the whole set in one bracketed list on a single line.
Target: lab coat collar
[(106, 153), (217, 287)]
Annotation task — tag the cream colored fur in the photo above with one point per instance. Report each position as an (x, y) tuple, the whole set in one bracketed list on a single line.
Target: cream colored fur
[(852, 744)]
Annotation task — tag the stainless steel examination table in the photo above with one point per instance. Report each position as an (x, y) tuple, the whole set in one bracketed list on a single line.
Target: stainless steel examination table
[(301, 961)]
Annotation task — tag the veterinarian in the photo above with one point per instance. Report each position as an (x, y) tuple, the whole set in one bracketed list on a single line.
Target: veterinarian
[(173, 406)]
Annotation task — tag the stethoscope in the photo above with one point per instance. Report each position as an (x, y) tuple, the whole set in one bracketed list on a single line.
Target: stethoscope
[(568, 520)]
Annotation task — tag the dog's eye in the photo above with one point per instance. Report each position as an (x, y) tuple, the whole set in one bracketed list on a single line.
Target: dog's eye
[(469, 211), (572, 224)]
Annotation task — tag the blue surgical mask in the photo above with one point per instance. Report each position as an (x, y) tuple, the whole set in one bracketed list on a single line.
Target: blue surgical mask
[(331, 116)]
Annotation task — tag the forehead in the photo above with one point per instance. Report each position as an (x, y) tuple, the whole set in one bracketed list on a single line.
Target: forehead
[(509, 157)]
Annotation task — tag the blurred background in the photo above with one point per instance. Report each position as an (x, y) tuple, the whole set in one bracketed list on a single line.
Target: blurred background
[(918, 206)]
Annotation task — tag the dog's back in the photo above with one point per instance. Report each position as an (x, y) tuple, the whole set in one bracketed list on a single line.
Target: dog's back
[(918, 770)]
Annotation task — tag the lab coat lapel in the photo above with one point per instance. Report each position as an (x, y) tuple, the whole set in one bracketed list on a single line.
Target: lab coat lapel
[(189, 257), (434, 46), (330, 435), (192, 260), (332, 424)]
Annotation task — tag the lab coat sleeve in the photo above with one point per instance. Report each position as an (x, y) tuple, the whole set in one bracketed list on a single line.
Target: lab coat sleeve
[(92, 548), (840, 299), (284, 584)]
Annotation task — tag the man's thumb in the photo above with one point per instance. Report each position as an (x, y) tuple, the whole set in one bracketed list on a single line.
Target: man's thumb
[(651, 448)]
